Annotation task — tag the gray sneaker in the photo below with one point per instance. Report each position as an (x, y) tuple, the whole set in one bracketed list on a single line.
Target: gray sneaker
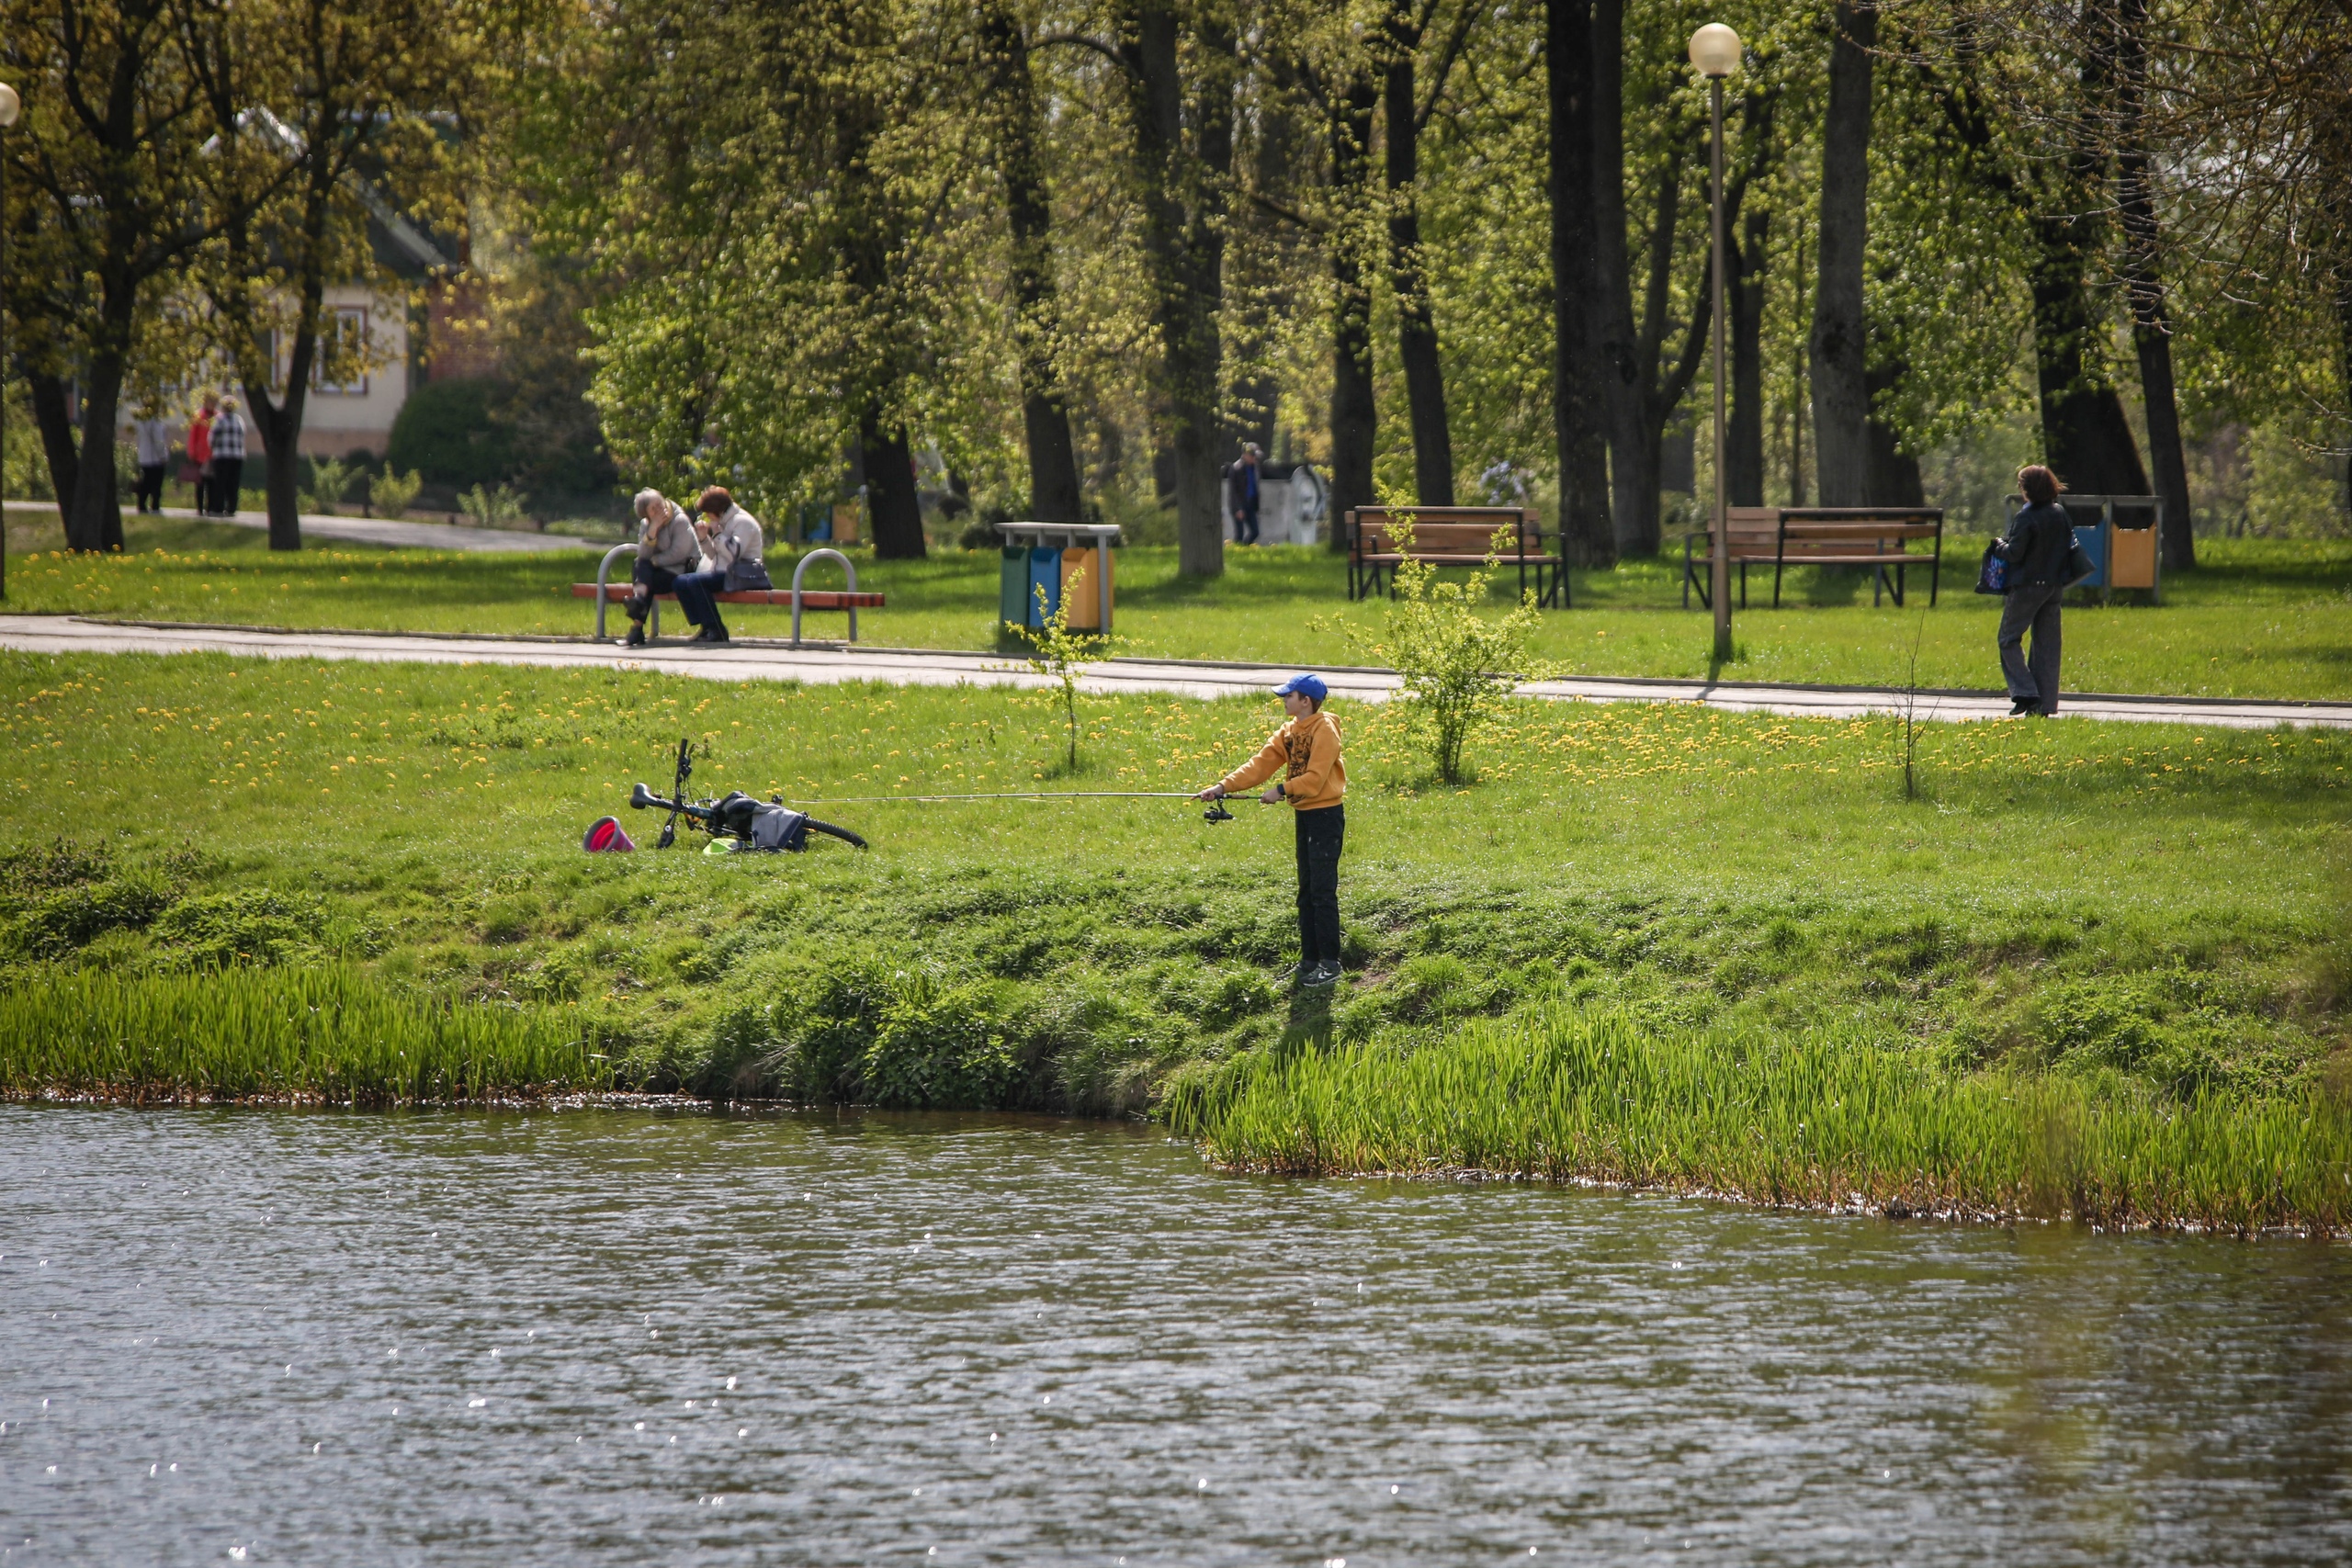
[(1324, 975)]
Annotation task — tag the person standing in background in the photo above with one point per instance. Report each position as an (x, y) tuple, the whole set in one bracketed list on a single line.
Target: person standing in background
[(199, 453), (2037, 546), (228, 459), (1244, 475), (151, 436)]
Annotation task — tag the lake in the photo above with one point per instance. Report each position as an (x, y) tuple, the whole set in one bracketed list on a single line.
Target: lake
[(623, 1335)]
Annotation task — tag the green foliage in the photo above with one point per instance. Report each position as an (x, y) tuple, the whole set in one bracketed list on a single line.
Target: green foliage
[(1062, 653), (449, 432), (1459, 666), (390, 492), (330, 483), (1824, 1120), (257, 926), (316, 1036), (500, 508)]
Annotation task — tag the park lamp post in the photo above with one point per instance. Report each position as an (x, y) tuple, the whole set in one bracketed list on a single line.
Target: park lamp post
[(1714, 50), (10, 105)]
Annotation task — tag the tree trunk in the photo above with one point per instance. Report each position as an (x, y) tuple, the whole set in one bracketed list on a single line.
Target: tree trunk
[(1416, 326), (1184, 248), (1054, 495), (53, 414), (890, 501), (1797, 382), (1839, 344), (1744, 441), (1892, 476), (1354, 427), (1619, 355), (94, 521), (1576, 286), (279, 425), (2085, 438), (2144, 287)]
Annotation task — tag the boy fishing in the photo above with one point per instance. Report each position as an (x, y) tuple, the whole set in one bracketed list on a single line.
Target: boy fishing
[(1306, 747)]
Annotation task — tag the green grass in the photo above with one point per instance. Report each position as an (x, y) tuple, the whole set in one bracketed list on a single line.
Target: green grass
[(1821, 1119), (313, 1035), (2067, 899), (2260, 619)]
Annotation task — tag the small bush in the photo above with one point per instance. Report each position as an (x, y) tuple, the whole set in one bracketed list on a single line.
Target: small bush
[(252, 926), (390, 493)]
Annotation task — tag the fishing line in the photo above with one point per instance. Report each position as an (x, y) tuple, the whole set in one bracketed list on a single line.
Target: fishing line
[(1008, 794)]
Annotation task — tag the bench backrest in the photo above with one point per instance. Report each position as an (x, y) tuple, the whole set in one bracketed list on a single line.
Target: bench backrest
[(1460, 533), (1789, 532)]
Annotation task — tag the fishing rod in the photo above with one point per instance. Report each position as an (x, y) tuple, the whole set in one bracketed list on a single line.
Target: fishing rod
[(1215, 813)]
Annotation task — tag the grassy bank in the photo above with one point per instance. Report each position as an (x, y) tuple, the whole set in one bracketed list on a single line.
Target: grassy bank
[(1825, 1119), (2260, 619), (2066, 899), (323, 1036)]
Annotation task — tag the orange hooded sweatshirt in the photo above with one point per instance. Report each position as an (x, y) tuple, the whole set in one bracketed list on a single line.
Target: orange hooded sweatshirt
[(1309, 751)]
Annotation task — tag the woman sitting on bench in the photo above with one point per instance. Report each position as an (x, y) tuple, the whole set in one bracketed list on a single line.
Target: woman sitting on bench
[(666, 546), (731, 550)]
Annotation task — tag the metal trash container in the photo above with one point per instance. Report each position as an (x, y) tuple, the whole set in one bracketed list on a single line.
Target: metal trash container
[(1048, 556)]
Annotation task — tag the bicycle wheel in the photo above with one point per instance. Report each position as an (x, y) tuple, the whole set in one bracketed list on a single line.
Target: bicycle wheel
[(843, 834)]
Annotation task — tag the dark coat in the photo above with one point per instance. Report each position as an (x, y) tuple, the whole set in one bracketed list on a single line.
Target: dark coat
[(2036, 547)]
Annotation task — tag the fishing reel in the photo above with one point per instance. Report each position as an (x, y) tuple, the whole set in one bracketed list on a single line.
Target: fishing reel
[(1216, 811)]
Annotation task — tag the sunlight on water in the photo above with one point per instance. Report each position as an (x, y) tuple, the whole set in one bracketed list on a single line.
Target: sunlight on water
[(557, 1339)]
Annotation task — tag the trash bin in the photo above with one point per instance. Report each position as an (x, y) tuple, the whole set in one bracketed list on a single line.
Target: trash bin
[(1050, 555)]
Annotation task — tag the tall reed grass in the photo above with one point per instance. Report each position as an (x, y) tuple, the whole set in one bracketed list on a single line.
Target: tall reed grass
[(1816, 1121), (326, 1035)]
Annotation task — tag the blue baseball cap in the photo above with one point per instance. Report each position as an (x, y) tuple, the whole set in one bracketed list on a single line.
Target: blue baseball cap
[(1310, 686)]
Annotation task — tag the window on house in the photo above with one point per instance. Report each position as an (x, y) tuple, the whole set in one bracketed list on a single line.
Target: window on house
[(339, 369)]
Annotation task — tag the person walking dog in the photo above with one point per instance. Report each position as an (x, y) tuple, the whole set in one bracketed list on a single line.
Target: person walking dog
[(2039, 540), (732, 562), (1315, 780), (666, 547)]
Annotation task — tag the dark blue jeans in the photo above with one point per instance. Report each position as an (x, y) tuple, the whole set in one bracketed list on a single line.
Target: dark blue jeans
[(1245, 526), (694, 590), (1321, 833)]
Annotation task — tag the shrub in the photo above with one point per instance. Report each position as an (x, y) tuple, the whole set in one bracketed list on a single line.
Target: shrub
[(390, 492), (253, 925), (1458, 666), (330, 481), (450, 432), (500, 508)]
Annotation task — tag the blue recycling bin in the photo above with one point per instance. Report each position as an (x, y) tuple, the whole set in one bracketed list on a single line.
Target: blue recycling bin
[(1026, 569), (2092, 536)]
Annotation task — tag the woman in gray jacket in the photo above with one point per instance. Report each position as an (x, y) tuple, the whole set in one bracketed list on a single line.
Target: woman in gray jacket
[(666, 547), (2037, 546)]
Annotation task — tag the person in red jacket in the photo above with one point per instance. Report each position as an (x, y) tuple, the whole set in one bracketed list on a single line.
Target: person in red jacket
[(1314, 781), (199, 453)]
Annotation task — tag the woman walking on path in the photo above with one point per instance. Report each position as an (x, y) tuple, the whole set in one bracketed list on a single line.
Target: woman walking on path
[(2036, 547), (199, 454), (152, 434), (228, 460)]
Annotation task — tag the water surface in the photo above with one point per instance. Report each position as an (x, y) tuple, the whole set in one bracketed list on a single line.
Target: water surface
[(613, 1337)]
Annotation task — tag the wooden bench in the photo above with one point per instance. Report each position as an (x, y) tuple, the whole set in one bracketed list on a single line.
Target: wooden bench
[(1878, 538), (606, 592), (1453, 535)]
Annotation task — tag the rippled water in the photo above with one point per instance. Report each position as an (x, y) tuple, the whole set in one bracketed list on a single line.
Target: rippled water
[(617, 1336)]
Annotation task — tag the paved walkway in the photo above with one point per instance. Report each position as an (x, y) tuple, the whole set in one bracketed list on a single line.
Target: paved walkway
[(756, 660), (380, 531)]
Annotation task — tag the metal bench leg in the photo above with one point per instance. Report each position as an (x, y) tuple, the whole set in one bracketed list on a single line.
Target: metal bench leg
[(1776, 583)]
